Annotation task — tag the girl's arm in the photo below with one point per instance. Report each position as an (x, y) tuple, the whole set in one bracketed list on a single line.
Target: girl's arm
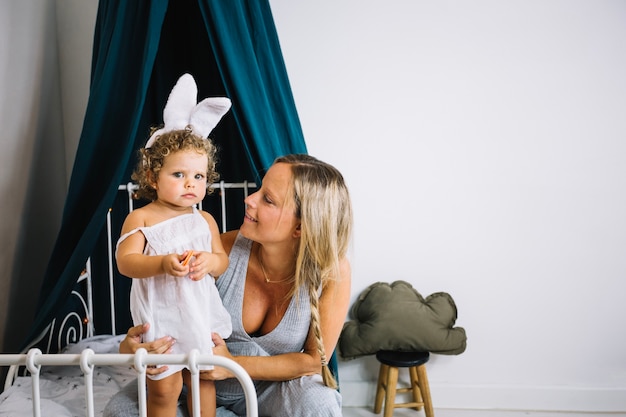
[(213, 263), (131, 260)]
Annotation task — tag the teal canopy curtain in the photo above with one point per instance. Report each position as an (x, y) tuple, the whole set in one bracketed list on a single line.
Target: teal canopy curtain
[(141, 47), (255, 77)]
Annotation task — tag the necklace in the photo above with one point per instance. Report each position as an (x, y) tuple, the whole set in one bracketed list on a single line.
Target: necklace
[(258, 255)]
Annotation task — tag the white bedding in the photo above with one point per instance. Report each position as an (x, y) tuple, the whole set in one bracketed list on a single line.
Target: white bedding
[(63, 387)]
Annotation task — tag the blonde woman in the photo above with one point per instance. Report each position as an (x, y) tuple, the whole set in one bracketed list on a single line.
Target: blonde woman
[(287, 289)]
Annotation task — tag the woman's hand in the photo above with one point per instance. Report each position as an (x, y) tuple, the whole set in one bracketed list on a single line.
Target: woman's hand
[(132, 342), (218, 373)]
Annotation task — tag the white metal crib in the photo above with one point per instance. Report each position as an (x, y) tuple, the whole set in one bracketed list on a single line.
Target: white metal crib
[(33, 359), (87, 360)]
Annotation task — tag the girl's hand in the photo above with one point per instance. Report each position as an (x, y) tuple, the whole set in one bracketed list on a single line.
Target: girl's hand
[(201, 264), (218, 373), (172, 264)]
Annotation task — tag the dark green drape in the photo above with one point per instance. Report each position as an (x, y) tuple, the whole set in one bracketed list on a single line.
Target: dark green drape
[(141, 47), (255, 77)]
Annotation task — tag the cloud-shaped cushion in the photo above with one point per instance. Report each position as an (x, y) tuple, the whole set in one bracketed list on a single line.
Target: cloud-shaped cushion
[(396, 317)]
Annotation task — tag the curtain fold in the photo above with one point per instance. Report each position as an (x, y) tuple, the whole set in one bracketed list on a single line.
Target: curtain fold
[(127, 35), (231, 47), (248, 54)]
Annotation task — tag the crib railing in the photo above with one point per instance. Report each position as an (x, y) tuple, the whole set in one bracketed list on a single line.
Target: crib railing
[(79, 324), (87, 360)]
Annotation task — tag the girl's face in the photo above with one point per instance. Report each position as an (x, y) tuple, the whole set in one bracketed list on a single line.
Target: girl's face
[(270, 212), (182, 180)]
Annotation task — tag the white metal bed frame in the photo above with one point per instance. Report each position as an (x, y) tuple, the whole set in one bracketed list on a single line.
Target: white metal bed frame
[(87, 360), (71, 330)]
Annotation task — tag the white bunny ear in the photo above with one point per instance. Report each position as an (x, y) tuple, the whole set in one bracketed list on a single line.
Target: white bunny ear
[(181, 110), (207, 114), (180, 103), (153, 137)]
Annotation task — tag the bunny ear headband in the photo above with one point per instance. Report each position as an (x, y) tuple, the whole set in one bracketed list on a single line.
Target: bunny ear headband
[(181, 110)]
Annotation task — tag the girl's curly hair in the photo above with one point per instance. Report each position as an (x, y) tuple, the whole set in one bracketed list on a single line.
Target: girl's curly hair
[(151, 159)]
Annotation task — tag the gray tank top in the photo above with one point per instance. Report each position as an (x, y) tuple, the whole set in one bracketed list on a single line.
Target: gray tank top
[(288, 336)]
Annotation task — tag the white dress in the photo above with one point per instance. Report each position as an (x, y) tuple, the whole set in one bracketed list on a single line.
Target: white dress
[(179, 307)]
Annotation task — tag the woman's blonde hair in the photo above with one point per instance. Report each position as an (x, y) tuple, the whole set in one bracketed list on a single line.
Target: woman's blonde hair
[(151, 159), (322, 204)]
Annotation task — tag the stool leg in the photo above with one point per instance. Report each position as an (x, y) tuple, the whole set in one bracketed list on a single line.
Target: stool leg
[(390, 394), (415, 387), (425, 389), (380, 388)]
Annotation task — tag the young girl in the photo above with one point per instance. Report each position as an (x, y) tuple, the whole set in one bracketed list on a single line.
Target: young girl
[(173, 251)]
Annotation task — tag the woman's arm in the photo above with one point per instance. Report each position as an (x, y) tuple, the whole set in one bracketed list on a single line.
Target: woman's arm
[(264, 368), (333, 306), (214, 262)]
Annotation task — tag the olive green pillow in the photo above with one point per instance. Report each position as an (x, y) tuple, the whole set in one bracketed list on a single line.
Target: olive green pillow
[(396, 317)]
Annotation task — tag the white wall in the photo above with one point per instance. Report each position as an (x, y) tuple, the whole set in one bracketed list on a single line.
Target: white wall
[(32, 160), (484, 145), (76, 20), (45, 55)]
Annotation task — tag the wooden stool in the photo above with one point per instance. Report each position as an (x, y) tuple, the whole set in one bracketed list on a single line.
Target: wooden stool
[(390, 361)]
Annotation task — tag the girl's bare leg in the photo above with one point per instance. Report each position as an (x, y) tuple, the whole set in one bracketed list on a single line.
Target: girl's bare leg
[(163, 395), (207, 396)]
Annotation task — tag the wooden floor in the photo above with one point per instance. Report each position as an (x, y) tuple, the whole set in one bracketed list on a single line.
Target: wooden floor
[(365, 412)]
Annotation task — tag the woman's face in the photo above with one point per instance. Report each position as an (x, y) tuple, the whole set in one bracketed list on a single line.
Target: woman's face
[(270, 212)]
